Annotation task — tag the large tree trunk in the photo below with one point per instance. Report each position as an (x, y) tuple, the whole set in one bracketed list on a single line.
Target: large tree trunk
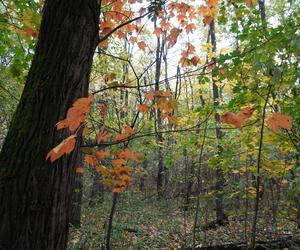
[(35, 196)]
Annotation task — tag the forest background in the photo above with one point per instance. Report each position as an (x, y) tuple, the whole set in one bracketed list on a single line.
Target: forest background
[(149, 124)]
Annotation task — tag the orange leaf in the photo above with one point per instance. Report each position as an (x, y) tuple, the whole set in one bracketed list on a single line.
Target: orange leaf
[(158, 31), (84, 101), (133, 39), (238, 119), (137, 157), (76, 114), (207, 20), (125, 154), (79, 170), (222, 71), (231, 118), (85, 131), (278, 121), (117, 162), (91, 160), (143, 108), (190, 28), (167, 93), (118, 189), (65, 147), (149, 96), (128, 130), (212, 3), (203, 10), (102, 154), (142, 45), (120, 137)]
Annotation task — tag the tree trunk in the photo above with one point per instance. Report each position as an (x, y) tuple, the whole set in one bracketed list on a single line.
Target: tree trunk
[(97, 189), (220, 213), (35, 196), (158, 121)]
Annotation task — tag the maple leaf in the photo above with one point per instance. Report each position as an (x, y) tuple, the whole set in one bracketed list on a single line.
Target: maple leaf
[(133, 39), (91, 160), (120, 137), (237, 119), (158, 32), (102, 154), (137, 157), (142, 45), (167, 93), (65, 147), (207, 20), (125, 154), (149, 96), (118, 189), (85, 131), (79, 170), (190, 27), (203, 10), (76, 114), (278, 121), (143, 108), (117, 162), (165, 25), (173, 36), (195, 60), (128, 130), (231, 118), (212, 3)]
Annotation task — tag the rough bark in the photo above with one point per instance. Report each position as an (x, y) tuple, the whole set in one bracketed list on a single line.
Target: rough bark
[(35, 196)]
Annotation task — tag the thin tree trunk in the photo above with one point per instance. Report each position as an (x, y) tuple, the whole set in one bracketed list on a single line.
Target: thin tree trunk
[(35, 196), (158, 120), (258, 177), (110, 220), (97, 188), (77, 195), (220, 213)]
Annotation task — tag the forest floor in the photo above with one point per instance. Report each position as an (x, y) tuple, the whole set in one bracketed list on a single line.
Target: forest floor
[(149, 223)]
